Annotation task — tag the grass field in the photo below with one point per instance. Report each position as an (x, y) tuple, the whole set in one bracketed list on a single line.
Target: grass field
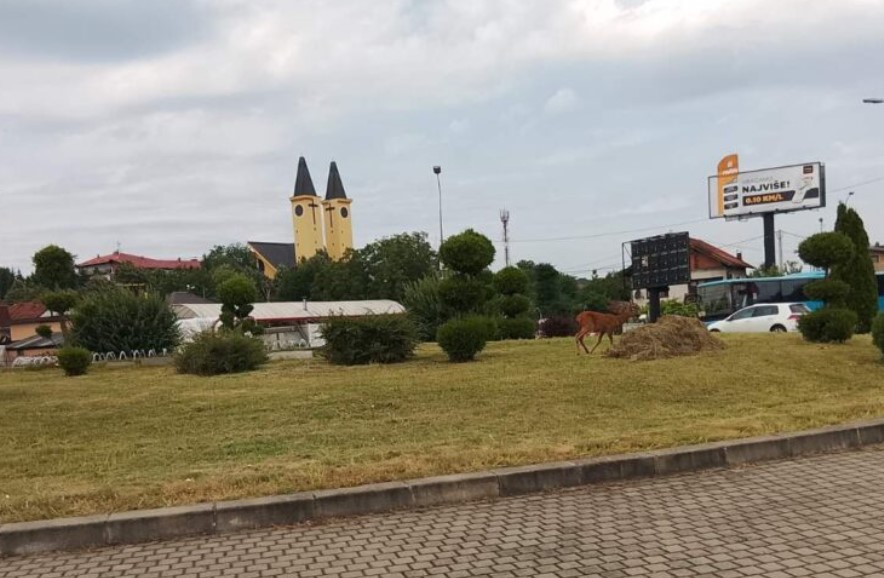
[(133, 437)]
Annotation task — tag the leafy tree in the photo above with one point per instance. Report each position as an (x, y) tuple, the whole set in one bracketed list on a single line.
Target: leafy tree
[(424, 304), (60, 303), (512, 283), (346, 279), (296, 284), (113, 319), (43, 331), (54, 268), (23, 290), (857, 272), (394, 262), (235, 255), (7, 279)]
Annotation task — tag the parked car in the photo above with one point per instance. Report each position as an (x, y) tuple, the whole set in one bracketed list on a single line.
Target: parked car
[(761, 318)]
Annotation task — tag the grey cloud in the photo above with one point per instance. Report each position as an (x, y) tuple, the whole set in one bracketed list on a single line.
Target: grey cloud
[(99, 31)]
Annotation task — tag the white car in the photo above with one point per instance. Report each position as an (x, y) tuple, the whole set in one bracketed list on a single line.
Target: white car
[(761, 318)]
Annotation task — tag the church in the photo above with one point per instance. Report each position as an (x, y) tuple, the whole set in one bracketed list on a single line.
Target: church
[(319, 224)]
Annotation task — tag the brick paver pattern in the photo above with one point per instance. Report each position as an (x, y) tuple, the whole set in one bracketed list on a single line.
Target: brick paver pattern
[(820, 516)]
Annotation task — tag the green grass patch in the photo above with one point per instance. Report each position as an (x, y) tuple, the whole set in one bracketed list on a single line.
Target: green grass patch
[(139, 437)]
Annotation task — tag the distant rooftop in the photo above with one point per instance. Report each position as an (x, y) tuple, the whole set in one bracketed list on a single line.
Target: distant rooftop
[(140, 262)]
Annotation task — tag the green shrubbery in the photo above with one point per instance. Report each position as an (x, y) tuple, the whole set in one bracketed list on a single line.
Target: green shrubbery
[(462, 338), (114, 319), (74, 360), (833, 325), (516, 328), (370, 339), (223, 352), (878, 332)]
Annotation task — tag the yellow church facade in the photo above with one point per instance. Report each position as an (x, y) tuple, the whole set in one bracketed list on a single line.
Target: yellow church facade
[(319, 224)]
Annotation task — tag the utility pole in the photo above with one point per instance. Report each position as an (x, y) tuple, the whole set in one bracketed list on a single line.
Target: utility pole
[(505, 219)]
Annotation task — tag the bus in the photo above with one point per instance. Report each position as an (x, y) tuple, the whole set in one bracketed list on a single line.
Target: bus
[(719, 299)]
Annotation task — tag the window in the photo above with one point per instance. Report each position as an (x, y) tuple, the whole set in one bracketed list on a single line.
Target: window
[(768, 292), (744, 314), (794, 290), (765, 311), (799, 308)]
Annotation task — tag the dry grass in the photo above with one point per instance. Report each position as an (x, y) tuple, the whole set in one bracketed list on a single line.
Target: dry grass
[(127, 438)]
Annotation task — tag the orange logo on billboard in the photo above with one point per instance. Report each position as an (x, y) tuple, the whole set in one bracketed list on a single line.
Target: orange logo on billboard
[(728, 169)]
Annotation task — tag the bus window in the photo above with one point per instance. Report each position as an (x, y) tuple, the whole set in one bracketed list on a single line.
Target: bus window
[(716, 300), (768, 292), (794, 290)]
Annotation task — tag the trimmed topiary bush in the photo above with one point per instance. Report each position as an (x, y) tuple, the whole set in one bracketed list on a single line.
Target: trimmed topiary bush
[(43, 331), (511, 281), (462, 294), (74, 360), (514, 305), (218, 353), (858, 272), (370, 339), (826, 250), (834, 325), (468, 253), (831, 291), (462, 338), (878, 332), (516, 328)]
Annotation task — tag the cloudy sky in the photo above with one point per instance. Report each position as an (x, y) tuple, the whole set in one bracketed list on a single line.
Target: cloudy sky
[(169, 126)]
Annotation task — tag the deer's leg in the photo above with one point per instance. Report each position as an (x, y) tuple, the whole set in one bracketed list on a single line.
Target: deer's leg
[(581, 335), (601, 336)]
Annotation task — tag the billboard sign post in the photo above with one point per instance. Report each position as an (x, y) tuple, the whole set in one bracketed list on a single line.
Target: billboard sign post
[(763, 193), (657, 263)]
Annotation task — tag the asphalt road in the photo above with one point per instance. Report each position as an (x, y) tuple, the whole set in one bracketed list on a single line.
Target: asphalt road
[(820, 516)]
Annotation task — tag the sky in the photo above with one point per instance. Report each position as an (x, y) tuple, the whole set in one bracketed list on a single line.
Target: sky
[(170, 126)]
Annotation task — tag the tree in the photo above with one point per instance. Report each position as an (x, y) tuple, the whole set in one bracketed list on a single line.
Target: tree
[(858, 272), (22, 291), (113, 319), (834, 322), (60, 303), (7, 279), (468, 253), (54, 268), (394, 262), (237, 293), (343, 280)]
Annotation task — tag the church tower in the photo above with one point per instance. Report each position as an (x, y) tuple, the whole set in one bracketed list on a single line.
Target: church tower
[(306, 214), (338, 220)]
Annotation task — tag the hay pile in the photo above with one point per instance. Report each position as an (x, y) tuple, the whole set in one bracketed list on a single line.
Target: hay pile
[(671, 336)]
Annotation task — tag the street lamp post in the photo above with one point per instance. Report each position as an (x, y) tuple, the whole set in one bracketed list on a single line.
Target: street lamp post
[(438, 170)]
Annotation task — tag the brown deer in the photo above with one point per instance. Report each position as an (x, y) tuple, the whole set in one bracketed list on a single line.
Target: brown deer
[(603, 323)]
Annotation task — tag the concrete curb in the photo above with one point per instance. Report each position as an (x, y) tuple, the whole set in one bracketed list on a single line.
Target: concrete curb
[(233, 516)]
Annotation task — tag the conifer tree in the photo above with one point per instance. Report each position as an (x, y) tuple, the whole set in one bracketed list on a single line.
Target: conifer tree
[(858, 271)]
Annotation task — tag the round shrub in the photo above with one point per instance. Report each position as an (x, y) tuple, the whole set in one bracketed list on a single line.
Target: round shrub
[(827, 290), (43, 331), (223, 352), (74, 360), (828, 325), (463, 338), (370, 339), (878, 331), (826, 250), (558, 326), (511, 281), (462, 294), (468, 253), (514, 305), (516, 328)]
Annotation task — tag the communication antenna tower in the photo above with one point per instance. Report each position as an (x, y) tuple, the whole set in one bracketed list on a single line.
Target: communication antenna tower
[(505, 220)]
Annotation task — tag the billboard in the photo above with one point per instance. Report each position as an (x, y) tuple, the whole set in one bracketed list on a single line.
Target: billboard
[(735, 194), (661, 261)]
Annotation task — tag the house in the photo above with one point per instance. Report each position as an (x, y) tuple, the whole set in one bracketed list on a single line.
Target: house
[(4, 324), (708, 263), (877, 252), (24, 318), (33, 346), (107, 265)]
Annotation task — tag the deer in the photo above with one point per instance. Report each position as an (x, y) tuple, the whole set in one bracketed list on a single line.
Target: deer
[(603, 323)]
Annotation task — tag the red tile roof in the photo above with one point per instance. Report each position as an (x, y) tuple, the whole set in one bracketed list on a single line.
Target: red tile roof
[(27, 311), (141, 262), (722, 257)]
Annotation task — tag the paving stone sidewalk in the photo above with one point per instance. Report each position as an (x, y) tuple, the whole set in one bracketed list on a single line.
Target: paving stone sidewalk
[(820, 516)]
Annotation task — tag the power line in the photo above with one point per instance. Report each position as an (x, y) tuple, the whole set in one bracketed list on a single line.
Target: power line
[(609, 234), (857, 185)]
